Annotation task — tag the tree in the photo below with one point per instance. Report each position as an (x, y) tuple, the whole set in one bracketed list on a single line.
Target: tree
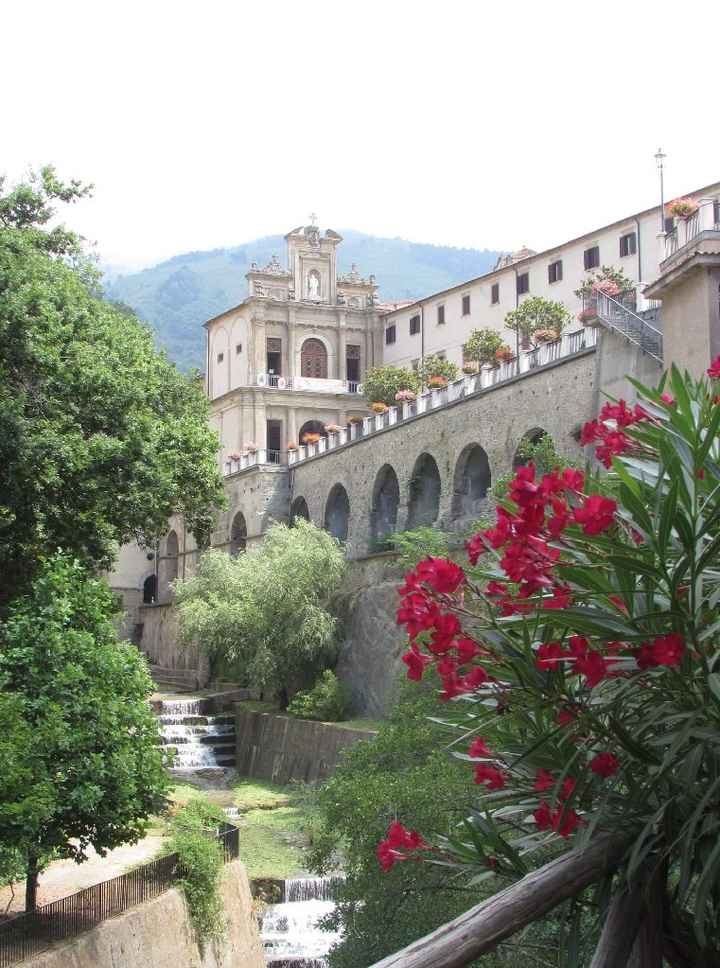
[(101, 438), (437, 366), (381, 383), (609, 280), (85, 767), (265, 614), (537, 316), (482, 345), (580, 660)]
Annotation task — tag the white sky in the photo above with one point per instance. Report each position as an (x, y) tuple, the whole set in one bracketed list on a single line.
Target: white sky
[(462, 123)]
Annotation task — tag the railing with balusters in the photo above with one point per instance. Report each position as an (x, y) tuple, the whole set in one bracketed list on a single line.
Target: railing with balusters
[(618, 316)]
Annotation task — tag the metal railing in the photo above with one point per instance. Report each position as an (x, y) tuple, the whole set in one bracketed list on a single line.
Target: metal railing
[(26, 935), (671, 243), (619, 317)]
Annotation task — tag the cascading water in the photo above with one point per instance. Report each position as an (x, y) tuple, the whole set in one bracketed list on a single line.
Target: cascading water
[(200, 742), (290, 933)]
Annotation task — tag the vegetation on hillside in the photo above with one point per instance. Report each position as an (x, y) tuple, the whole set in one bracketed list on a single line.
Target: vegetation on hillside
[(264, 616), (178, 295)]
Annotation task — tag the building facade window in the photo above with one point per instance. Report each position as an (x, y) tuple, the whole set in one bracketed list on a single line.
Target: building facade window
[(414, 325), (274, 355), (466, 305), (591, 257), (628, 244), (523, 283), (440, 315), (220, 357), (238, 349), (716, 213), (555, 271), (313, 359), (390, 335), (495, 293), (352, 363)]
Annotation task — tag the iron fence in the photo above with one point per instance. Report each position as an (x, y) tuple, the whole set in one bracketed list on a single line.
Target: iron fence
[(26, 935)]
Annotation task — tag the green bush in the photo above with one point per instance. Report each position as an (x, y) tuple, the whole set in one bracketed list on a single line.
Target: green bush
[(437, 366), (412, 546), (381, 383), (200, 861), (327, 701)]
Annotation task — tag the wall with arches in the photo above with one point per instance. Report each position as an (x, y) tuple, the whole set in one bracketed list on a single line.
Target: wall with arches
[(444, 462)]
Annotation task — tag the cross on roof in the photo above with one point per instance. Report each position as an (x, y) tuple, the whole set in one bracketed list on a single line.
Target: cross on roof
[(313, 218)]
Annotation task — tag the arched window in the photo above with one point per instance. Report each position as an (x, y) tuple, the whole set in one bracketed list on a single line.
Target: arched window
[(532, 437), (238, 534), (471, 482), (149, 590), (312, 427), (337, 513), (424, 504), (171, 562), (299, 509), (313, 359), (385, 501)]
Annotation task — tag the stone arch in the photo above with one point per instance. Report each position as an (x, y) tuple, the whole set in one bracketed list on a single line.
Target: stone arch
[(314, 359), (150, 589), (299, 509), (312, 427), (238, 534), (337, 512), (533, 436), (471, 481), (384, 508), (425, 485)]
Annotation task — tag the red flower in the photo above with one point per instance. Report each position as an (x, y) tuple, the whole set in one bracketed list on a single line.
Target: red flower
[(549, 655), (476, 677), (668, 650), (490, 775), (566, 716), (543, 816), (416, 663), (573, 480), (618, 603), (544, 781), (496, 589), (466, 650), (478, 748), (443, 575), (565, 821), (560, 598), (605, 764), (566, 790), (388, 851), (668, 399), (446, 627), (714, 370), (596, 515), (594, 667)]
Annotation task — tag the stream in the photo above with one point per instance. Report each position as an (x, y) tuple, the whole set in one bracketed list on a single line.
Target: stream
[(290, 934)]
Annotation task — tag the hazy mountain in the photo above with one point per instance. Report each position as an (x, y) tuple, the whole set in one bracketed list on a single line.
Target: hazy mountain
[(177, 296)]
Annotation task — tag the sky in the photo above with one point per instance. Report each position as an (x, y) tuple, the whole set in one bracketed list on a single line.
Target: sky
[(476, 124)]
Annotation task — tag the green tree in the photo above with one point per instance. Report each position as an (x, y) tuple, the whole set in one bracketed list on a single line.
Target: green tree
[(482, 345), (266, 614), (537, 315), (83, 767), (101, 438), (381, 383), (437, 366)]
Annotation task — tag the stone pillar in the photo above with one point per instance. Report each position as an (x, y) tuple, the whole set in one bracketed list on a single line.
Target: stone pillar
[(260, 424), (291, 425), (260, 348), (291, 343), (341, 348)]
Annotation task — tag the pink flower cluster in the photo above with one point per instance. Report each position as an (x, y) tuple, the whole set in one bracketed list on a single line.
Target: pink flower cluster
[(608, 430)]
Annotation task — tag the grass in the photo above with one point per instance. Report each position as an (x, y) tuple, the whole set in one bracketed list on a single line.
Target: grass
[(258, 706)]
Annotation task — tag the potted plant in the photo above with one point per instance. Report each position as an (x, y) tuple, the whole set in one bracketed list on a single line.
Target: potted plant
[(234, 456), (310, 438), (250, 446), (504, 354), (437, 382), (587, 316), (333, 428), (378, 407), (292, 445), (469, 370), (356, 419), (545, 335), (682, 208), (405, 396)]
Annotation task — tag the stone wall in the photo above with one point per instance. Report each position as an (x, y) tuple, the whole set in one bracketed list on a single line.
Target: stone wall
[(160, 641), (556, 399), (158, 935), (261, 495), (281, 748)]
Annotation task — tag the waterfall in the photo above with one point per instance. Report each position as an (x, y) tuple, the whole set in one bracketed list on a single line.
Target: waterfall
[(290, 933), (198, 741)]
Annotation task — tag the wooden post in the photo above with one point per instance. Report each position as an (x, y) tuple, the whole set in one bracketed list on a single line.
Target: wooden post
[(483, 927), (619, 931)]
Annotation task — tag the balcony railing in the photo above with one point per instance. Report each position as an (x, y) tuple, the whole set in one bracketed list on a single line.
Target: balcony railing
[(620, 315), (705, 220), (276, 381), (431, 400)]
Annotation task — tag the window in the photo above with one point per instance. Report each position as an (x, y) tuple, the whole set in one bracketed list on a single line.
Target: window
[(414, 325), (716, 212), (390, 335), (495, 293), (221, 357), (352, 363), (555, 271), (591, 257), (628, 244), (466, 305), (669, 223), (523, 283), (440, 315), (238, 349), (274, 355)]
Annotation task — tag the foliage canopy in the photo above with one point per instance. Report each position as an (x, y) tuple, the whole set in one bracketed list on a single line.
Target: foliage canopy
[(381, 383), (537, 315)]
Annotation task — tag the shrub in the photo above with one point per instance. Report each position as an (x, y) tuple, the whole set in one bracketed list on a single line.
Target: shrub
[(381, 383), (327, 701), (436, 366), (606, 276), (481, 347), (537, 315)]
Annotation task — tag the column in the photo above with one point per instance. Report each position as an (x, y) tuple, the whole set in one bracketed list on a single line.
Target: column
[(342, 351), (291, 343), (291, 425), (260, 421), (260, 357)]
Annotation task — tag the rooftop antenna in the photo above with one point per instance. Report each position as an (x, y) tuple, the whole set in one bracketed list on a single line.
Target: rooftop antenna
[(659, 159)]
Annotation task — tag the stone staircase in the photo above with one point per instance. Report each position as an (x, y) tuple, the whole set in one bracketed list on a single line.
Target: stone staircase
[(203, 744)]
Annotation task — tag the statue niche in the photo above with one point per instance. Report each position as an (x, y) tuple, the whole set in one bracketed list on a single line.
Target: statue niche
[(313, 284)]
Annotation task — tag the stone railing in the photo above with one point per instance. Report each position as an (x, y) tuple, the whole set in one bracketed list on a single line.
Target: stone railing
[(432, 400), (307, 383), (253, 458)]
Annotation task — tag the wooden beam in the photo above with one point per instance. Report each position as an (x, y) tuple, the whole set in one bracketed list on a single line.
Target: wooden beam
[(619, 931), (483, 927)]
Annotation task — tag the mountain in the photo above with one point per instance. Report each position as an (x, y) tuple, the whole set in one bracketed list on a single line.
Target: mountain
[(177, 296)]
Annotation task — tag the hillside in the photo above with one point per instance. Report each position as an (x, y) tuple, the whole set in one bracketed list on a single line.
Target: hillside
[(177, 296)]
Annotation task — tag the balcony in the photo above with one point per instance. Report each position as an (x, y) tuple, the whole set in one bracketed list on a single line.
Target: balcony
[(701, 226), (307, 384)]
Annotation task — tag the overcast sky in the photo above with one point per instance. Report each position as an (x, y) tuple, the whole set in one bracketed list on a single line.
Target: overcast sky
[(461, 123)]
